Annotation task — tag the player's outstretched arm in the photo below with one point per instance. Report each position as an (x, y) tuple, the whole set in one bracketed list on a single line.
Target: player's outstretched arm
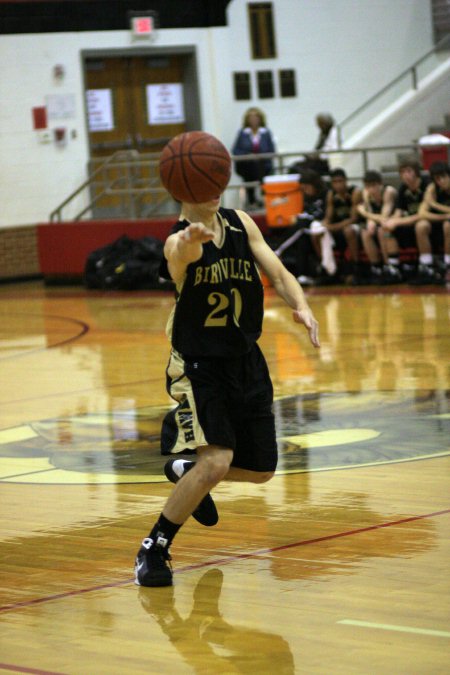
[(283, 281), (185, 247)]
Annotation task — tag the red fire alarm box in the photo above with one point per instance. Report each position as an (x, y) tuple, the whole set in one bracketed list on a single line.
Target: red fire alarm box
[(39, 117)]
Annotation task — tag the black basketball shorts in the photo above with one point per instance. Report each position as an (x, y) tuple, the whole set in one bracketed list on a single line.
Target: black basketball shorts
[(405, 236), (437, 234), (225, 402)]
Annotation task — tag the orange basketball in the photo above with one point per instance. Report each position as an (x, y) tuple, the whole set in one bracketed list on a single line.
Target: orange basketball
[(195, 167)]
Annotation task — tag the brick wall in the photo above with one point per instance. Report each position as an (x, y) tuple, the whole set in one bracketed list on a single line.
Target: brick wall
[(18, 252)]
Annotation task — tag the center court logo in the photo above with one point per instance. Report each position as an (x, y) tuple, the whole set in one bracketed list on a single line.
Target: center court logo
[(316, 432)]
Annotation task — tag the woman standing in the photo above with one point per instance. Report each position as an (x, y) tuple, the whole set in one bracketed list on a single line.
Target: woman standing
[(253, 138)]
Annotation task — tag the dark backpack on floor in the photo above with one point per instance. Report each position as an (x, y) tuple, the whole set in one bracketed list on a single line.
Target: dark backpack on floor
[(126, 264)]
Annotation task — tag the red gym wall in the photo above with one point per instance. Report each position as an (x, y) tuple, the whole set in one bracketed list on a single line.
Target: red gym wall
[(64, 247)]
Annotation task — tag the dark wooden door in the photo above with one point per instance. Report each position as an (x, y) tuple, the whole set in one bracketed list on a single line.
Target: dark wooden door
[(126, 112), (117, 89)]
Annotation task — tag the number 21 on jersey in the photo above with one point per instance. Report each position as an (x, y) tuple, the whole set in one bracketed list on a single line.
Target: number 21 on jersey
[(218, 316)]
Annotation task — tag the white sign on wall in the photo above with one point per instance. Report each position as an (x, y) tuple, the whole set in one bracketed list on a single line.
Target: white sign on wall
[(165, 103), (60, 106), (100, 109)]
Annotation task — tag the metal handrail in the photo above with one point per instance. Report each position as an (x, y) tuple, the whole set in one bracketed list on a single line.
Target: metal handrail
[(410, 70), (115, 186), (56, 213)]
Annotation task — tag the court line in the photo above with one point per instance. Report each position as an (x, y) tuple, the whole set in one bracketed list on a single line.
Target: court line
[(73, 392), (22, 669), (392, 627), (344, 467), (161, 479), (226, 561), (366, 290), (32, 473), (84, 329)]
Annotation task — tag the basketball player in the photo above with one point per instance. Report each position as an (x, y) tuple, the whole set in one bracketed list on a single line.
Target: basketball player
[(398, 231), (433, 228), (216, 370), (341, 217), (377, 207)]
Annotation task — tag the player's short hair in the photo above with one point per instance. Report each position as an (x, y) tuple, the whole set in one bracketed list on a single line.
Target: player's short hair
[(372, 177), (439, 169), (338, 173), (410, 163), (311, 177)]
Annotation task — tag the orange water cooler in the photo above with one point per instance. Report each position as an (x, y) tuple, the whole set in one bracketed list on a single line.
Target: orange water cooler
[(283, 199)]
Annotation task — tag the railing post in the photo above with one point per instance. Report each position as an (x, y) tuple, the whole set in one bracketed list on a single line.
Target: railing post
[(414, 77), (365, 163), (130, 183)]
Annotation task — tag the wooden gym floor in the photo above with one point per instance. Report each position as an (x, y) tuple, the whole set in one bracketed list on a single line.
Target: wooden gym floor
[(339, 565)]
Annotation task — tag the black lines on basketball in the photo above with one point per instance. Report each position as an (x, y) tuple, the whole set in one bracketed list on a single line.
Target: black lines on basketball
[(195, 167)]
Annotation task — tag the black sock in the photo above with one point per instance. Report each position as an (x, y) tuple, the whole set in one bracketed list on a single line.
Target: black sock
[(164, 528)]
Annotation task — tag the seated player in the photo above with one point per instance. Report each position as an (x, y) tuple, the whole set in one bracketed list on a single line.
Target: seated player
[(340, 220), (433, 227), (314, 191), (398, 231), (376, 208)]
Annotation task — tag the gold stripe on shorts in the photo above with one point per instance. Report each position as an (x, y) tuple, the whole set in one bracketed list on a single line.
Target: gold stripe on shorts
[(190, 433)]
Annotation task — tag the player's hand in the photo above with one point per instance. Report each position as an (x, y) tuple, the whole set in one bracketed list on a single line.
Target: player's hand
[(306, 317), (196, 233), (371, 227), (334, 227), (390, 224)]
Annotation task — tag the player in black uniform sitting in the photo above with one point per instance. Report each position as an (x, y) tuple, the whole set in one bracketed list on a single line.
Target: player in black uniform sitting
[(377, 206), (398, 231), (308, 263), (433, 227), (341, 219), (216, 372)]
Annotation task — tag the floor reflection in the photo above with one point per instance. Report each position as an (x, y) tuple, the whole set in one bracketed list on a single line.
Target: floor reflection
[(366, 343), (206, 641)]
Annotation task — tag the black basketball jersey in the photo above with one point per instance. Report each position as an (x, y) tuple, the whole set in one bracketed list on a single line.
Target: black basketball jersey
[(409, 200), (219, 307), (375, 206), (315, 205), (342, 206), (442, 197)]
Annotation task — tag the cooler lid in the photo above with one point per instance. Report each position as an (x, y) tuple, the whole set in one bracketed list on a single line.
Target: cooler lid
[(282, 178)]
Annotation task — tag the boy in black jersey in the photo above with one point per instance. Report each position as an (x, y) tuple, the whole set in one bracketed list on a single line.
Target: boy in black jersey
[(309, 261), (376, 208), (398, 231), (216, 372), (341, 218), (433, 227)]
